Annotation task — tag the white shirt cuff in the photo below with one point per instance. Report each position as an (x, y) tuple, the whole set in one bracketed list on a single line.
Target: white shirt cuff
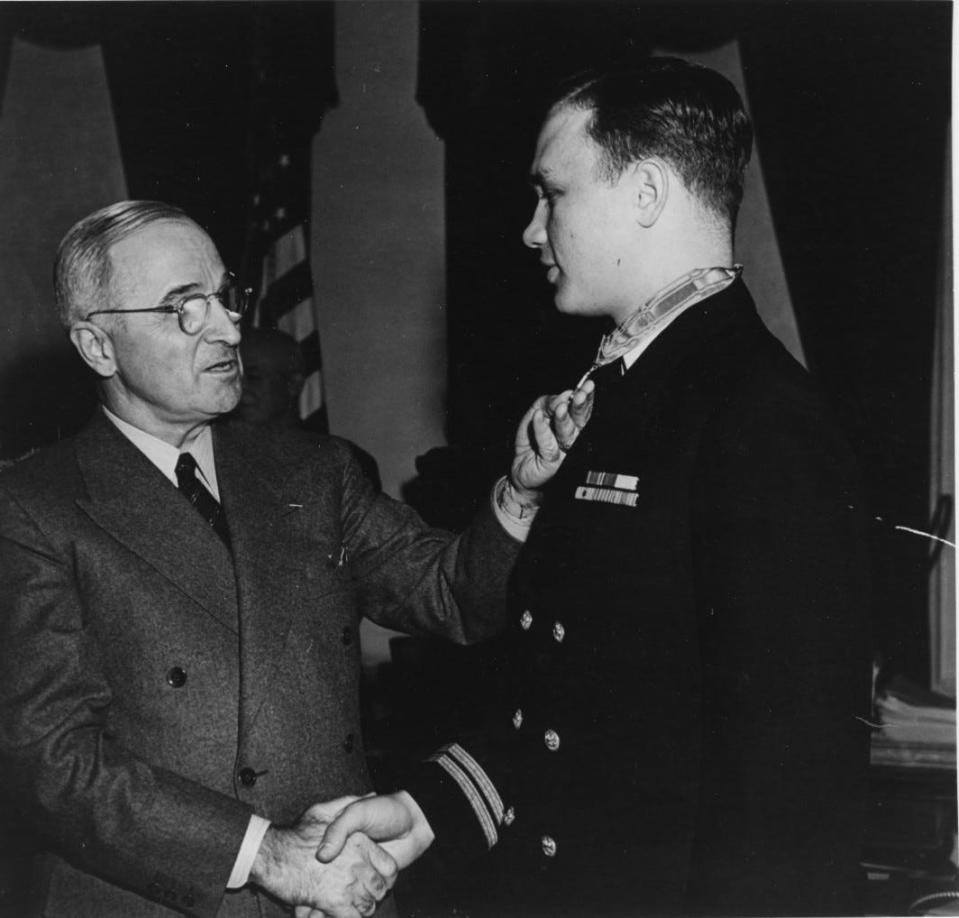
[(247, 854), (514, 515)]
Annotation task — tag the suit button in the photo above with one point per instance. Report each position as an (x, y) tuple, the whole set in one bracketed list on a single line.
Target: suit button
[(247, 777), (176, 677), (348, 743), (526, 620), (548, 846), (518, 718), (551, 738), (509, 817), (347, 635), (559, 632)]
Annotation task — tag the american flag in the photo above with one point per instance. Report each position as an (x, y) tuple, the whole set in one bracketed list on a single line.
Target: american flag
[(293, 88)]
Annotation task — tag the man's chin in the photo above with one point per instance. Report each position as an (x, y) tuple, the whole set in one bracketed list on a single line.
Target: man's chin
[(569, 305)]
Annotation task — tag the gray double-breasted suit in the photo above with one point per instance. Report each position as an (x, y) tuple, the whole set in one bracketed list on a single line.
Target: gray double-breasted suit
[(156, 690)]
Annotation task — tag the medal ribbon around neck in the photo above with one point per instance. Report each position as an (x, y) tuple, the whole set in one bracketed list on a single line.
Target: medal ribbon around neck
[(679, 295)]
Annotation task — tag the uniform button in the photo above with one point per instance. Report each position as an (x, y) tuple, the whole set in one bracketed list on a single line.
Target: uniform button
[(559, 632), (176, 677), (247, 777), (525, 620), (348, 743), (518, 718), (347, 635), (551, 738), (548, 845), (509, 817)]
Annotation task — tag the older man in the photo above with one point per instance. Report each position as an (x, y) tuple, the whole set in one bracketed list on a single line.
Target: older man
[(689, 611), (179, 604)]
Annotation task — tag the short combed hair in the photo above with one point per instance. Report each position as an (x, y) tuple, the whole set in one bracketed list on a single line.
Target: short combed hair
[(686, 114), (82, 270)]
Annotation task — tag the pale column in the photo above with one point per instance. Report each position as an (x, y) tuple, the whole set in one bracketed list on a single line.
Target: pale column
[(378, 250)]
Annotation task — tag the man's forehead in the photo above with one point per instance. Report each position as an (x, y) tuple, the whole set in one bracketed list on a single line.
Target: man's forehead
[(165, 252), (563, 135)]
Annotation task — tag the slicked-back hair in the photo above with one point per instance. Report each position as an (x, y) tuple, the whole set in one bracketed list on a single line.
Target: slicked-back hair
[(688, 115), (82, 270)]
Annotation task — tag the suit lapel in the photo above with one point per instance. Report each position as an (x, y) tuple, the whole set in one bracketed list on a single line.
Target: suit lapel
[(131, 500), (259, 517)]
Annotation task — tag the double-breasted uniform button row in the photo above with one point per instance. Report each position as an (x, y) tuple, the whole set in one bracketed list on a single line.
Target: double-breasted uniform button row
[(547, 842), (550, 737), (526, 622)]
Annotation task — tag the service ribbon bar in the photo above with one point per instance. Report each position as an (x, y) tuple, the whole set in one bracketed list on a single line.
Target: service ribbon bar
[(607, 496), (612, 480)]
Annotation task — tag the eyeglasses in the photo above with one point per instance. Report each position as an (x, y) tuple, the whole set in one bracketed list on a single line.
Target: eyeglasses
[(193, 310)]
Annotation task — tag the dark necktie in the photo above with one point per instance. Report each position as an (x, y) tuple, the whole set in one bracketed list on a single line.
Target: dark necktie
[(205, 503)]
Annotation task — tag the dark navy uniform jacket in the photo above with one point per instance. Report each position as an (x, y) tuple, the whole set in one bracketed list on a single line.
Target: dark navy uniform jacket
[(692, 657)]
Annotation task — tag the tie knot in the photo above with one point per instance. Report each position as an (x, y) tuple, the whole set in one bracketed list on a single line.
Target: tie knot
[(185, 467)]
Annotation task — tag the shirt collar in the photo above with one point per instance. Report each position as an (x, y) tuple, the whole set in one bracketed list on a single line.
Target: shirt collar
[(164, 456)]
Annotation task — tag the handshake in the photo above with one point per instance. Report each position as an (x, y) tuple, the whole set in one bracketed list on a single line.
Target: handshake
[(330, 863)]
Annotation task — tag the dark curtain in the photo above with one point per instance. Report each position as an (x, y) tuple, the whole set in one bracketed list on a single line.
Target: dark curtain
[(196, 89), (852, 102)]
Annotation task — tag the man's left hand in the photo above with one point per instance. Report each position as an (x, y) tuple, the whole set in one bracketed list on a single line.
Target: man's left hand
[(546, 433)]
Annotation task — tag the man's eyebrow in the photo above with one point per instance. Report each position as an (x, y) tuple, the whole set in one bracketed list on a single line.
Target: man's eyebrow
[(193, 287), (180, 290)]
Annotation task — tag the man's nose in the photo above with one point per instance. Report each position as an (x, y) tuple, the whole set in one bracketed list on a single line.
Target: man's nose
[(221, 326), (534, 235)]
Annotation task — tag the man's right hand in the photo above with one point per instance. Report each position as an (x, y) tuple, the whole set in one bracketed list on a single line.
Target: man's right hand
[(394, 820), (348, 886)]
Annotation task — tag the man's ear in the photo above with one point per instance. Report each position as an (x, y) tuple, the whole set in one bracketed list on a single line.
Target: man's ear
[(95, 346), (650, 186)]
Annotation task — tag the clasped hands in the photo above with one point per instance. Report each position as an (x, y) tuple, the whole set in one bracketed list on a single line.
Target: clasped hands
[(329, 864), (349, 884)]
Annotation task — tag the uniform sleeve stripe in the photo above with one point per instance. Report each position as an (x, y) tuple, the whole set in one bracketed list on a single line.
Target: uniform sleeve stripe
[(480, 778), (476, 801)]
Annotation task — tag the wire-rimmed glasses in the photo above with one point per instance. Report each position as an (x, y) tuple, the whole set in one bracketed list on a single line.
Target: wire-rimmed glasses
[(193, 309)]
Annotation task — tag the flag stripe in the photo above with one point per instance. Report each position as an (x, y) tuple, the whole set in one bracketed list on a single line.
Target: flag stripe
[(288, 290), (310, 347)]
